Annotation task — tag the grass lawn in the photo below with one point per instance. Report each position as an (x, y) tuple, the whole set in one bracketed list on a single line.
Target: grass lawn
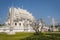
[(17, 36), (31, 36)]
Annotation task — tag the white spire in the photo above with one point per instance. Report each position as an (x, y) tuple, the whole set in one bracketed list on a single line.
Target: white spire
[(53, 22)]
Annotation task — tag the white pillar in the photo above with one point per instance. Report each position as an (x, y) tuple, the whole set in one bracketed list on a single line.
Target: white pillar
[(11, 17), (11, 21), (53, 22)]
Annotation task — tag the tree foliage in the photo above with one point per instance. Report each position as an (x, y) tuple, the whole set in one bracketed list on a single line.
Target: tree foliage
[(35, 25), (2, 24)]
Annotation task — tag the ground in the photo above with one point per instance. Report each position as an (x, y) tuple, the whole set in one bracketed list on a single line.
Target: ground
[(31, 36)]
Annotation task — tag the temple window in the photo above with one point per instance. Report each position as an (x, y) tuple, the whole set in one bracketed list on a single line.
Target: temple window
[(15, 23), (20, 24)]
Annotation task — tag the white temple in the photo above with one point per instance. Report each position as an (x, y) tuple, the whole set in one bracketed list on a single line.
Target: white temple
[(18, 20)]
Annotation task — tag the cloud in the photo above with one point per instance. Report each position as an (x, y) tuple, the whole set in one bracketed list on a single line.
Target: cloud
[(48, 16)]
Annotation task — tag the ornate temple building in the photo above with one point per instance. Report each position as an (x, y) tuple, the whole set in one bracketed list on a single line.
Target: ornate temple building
[(18, 20)]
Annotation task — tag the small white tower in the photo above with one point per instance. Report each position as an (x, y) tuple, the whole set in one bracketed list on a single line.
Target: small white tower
[(11, 21), (53, 22)]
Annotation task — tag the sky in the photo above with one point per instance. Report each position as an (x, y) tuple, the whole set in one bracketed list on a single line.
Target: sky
[(45, 9)]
